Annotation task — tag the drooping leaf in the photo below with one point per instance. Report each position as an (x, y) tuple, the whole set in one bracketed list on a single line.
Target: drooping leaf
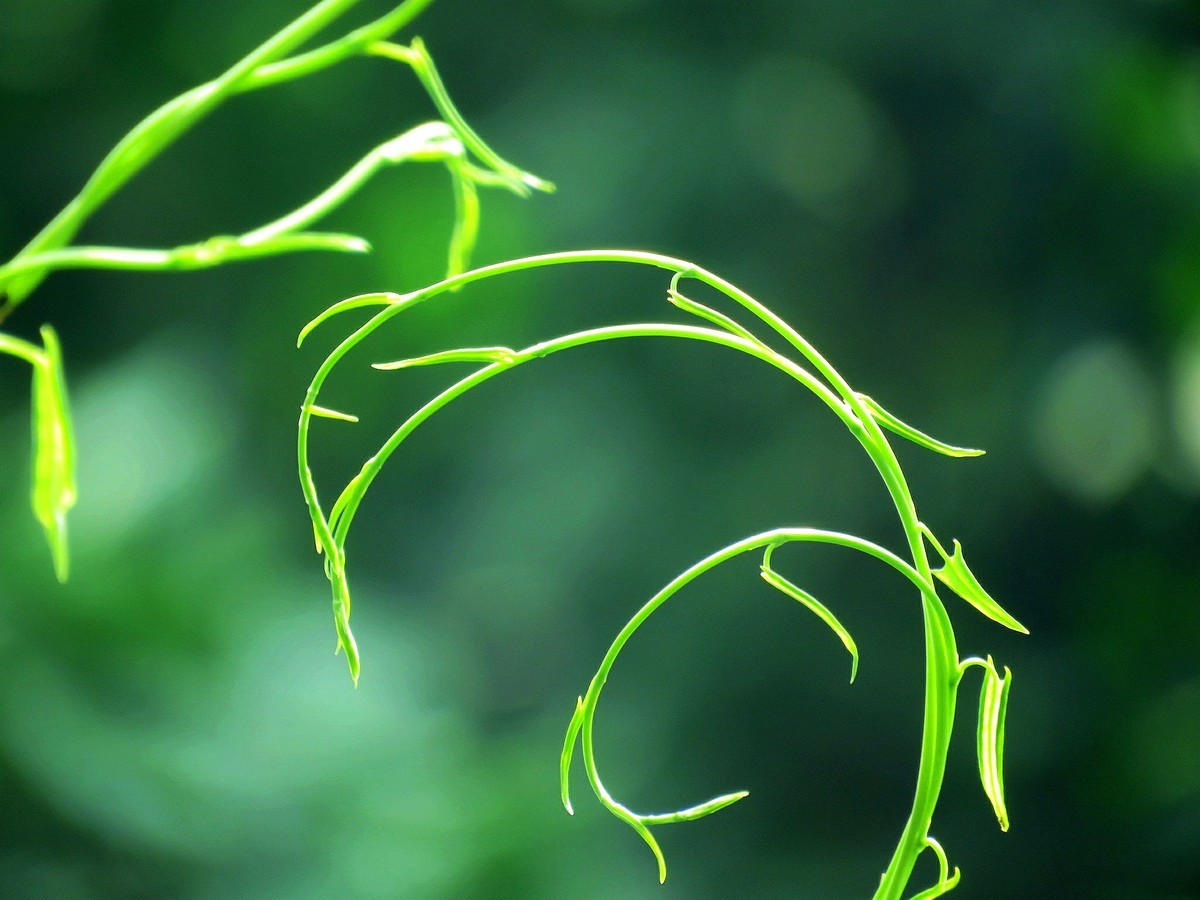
[(642, 830), (54, 491), (960, 579), (341, 617), (567, 752), (893, 424), (385, 298), (325, 412), (699, 811), (822, 612), (466, 221), (993, 707)]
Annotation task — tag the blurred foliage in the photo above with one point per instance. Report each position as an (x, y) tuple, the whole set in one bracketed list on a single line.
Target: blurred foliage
[(987, 215)]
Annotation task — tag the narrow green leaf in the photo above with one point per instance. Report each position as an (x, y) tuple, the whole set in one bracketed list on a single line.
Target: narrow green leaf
[(349, 498), (306, 240), (466, 354), (341, 618), (705, 312), (466, 220), (963, 582), (380, 299), (993, 707), (822, 612), (54, 491), (891, 423), (567, 752), (418, 58), (699, 811), (326, 413)]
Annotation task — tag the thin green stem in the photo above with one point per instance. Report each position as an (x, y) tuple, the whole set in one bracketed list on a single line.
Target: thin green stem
[(22, 349)]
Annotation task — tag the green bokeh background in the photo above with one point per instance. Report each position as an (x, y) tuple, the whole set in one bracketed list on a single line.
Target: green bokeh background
[(986, 213)]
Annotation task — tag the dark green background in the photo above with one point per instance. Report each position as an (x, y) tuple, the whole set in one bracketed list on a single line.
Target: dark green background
[(985, 213)]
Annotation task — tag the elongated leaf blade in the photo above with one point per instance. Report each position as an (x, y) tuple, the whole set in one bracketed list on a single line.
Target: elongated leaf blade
[(822, 612), (341, 618), (637, 825), (54, 492), (960, 579), (325, 412), (699, 811), (465, 354), (707, 313), (893, 424), (993, 707), (941, 888), (567, 752)]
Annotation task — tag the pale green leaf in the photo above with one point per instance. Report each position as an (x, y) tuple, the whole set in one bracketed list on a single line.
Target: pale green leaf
[(822, 612), (466, 220), (466, 354), (54, 491), (893, 424), (326, 413), (567, 752), (993, 706), (963, 582), (705, 312), (380, 299), (699, 811)]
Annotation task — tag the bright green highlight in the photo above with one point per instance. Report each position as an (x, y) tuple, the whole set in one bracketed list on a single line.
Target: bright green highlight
[(822, 612), (54, 491), (864, 419)]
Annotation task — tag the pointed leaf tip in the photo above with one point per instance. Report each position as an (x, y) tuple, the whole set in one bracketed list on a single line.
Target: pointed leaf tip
[(781, 584), (466, 354), (699, 811), (325, 412), (893, 424), (54, 491), (567, 752), (993, 709), (960, 579)]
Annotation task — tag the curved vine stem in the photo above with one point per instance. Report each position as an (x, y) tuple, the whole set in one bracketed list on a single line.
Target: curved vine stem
[(864, 418)]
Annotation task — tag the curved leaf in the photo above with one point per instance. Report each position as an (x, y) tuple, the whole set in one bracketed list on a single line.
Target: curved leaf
[(893, 424), (384, 298), (993, 706), (54, 491), (822, 612), (567, 752), (960, 579), (466, 354)]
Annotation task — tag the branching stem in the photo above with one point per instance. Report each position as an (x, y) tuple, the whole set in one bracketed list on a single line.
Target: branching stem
[(862, 416)]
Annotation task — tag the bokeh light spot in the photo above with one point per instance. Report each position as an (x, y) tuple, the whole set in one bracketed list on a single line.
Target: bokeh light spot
[(1095, 430)]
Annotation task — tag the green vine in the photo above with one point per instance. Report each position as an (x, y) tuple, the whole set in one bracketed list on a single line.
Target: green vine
[(866, 420), (450, 142)]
